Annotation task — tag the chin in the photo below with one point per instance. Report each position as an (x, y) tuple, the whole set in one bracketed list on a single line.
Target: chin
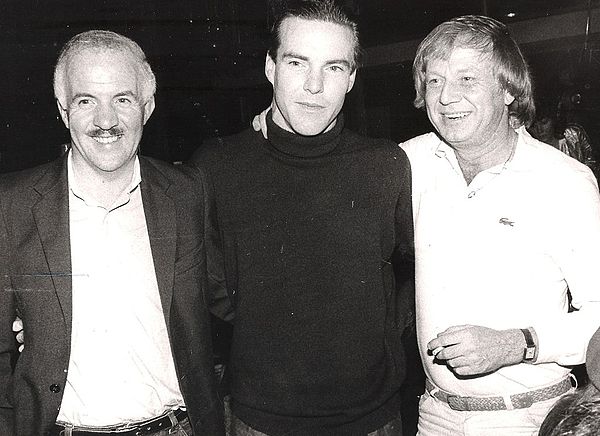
[(311, 129), (309, 132)]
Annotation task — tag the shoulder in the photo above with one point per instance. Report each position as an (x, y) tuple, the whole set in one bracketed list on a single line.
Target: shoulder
[(376, 148), (553, 168), (546, 157), (45, 174), (220, 149), (421, 146), (180, 182)]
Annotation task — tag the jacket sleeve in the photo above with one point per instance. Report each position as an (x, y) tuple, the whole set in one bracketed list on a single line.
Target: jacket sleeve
[(7, 338), (219, 301)]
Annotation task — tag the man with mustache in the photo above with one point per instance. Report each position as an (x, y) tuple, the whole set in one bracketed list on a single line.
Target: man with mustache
[(100, 242)]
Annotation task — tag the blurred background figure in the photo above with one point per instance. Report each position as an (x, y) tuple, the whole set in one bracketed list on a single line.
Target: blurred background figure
[(578, 414), (570, 137)]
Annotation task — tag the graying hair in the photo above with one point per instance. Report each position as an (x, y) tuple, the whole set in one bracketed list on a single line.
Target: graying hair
[(103, 40)]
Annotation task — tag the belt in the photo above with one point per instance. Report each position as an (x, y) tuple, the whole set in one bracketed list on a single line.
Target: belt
[(516, 401), (165, 421)]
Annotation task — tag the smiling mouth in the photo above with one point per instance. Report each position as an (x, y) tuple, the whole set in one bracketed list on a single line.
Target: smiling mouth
[(107, 139), (456, 115)]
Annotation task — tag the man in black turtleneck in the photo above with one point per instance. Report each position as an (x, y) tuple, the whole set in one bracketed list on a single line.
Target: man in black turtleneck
[(314, 222)]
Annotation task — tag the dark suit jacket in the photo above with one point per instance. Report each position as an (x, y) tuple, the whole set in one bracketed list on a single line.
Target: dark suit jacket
[(35, 268)]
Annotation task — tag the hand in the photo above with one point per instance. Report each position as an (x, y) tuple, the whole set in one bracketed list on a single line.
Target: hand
[(259, 122), (476, 350), (20, 334)]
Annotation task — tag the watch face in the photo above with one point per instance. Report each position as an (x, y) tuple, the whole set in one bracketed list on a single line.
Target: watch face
[(529, 353)]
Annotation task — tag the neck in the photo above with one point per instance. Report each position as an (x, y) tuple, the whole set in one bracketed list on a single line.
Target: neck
[(104, 187), (498, 150)]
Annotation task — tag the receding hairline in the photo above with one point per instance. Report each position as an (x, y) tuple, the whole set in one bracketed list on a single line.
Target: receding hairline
[(136, 56)]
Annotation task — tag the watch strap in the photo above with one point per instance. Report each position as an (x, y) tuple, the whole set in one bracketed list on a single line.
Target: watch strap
[(530, 349)]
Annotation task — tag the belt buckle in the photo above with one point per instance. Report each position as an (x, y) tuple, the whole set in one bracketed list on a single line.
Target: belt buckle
[(458, 403)]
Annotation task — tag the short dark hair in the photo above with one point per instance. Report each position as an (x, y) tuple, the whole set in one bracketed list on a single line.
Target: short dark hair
[(103, 40), (491, 37), (317, 10)]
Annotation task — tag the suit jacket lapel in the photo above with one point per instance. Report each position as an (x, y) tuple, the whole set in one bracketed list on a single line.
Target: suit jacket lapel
[(160, 220), (51, 214)]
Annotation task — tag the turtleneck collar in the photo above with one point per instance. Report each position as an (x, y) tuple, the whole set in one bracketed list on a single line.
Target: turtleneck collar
[(304, 146)]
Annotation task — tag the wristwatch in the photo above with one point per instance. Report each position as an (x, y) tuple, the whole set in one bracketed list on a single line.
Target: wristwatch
[(530, 349)]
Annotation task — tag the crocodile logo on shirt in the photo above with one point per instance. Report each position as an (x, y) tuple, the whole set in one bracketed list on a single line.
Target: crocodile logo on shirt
[(506, 222)]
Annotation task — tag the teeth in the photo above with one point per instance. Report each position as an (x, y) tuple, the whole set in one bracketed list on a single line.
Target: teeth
[(457, 115), (105, 139)]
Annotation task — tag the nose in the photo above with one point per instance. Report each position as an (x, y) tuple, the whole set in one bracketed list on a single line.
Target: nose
[(314, 82), (449, 93), (105, 117)]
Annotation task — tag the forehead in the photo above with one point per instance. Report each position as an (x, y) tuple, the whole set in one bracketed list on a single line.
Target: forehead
[(459, 58), (315, 39), (101, 69)]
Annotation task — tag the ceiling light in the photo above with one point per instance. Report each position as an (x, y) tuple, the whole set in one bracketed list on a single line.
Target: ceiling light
[(511, 14)]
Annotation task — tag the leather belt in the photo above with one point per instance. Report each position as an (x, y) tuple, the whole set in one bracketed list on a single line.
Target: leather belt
[(516, 401), (163, 422)]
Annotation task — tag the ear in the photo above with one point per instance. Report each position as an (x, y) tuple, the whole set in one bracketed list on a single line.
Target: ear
[(351, 80), (148, 109), (508, 98), (64, 114), (270, 68)]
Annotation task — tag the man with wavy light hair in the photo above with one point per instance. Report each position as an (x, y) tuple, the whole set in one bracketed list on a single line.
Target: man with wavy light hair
[(496, 247)]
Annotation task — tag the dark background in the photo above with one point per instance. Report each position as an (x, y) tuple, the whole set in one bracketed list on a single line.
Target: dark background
[(208, 57)]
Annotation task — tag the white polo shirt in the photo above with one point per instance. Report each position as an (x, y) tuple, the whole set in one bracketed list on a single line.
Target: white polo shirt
[(121, 368), (501, 253)]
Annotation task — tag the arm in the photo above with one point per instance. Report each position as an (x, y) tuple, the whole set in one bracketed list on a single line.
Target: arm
[(576, 249), (574, 246), (219, 300)]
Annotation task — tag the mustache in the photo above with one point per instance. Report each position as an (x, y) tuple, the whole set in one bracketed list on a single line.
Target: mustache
[(113, 131)]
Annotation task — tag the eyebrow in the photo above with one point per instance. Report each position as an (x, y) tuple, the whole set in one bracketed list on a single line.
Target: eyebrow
[(304, 58), (119, 94)]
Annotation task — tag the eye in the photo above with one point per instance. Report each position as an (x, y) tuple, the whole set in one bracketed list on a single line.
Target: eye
[(84, 102), (432, 81), (336, 68), (294, 63), (124, 101)]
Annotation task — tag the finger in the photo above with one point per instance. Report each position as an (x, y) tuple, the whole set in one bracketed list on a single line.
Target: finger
[(451, 352), (21, 347), (256, 123), (455, 328), (21, 337), (263, 123), (17, 325), (437, 350), (458, 362), (445, 339)]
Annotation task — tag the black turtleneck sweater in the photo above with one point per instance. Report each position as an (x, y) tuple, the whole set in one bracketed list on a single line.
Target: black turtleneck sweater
[(311, 229)]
